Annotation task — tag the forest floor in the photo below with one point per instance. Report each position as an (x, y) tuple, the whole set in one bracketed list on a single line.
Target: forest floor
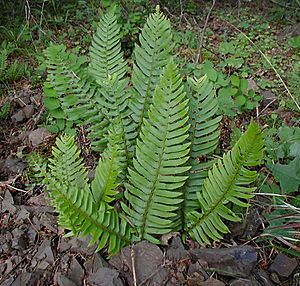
[(256, 42)]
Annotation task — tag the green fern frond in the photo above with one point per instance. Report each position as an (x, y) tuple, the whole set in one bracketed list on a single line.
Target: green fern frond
[(151, 57), (203, 135), (227, 182), (73, 200), (109, 168), (159, 163), (105, 53), (112, 99), (66, 77)]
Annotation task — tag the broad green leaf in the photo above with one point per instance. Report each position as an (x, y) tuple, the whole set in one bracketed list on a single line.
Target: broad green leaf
[(288, 175)]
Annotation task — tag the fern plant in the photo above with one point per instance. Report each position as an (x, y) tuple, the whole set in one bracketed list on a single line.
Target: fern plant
[(156, 135)]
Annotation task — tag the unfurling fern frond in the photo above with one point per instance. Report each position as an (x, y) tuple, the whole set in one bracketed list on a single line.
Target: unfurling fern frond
[(159, 163), (151, 57), (105, 53), (203, 135), (72, 197), (227, 182)]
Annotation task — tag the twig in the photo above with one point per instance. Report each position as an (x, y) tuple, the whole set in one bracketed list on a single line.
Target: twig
[(133, 265), (266, 107), (16, 189), (198, 55), (268, 61)]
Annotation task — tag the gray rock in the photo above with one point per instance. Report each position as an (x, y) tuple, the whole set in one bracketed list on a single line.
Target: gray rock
[(19, 241), (63, 245), (37, 136), (28, 111), (8, 203), (195, 279), (75, 272), (197, 268), (94, 262), (176, 250), (62, 280), (106, 277), (283, 265), (236, 261), (40, 200), (49, 221), (19, 116), (23, 214), (81, 245), (22, 279), (44, 255), (148, 262), (12, 165)]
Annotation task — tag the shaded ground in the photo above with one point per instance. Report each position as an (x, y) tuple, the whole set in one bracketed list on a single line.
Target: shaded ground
[(33, 250)]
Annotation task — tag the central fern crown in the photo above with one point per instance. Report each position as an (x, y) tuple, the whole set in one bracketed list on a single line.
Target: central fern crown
[(156, 135)]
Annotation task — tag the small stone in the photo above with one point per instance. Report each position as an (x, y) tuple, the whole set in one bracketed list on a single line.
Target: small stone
[(63, 245), (40, 200), (81, 245), (37, 136), (283, 265), (148, 260), (195, 279), (234, 261), (76, 271), (19, 116), (106, 277), (13, 165), (62, 280), (176, 250), (45, 252), (94, 262), (197, 268), (28, 111), (49, 221), (19, 241), (22, 215), (8, 203), (22, 279)]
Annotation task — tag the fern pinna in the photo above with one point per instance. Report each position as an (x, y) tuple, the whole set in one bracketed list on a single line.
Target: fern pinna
[(155, 140)]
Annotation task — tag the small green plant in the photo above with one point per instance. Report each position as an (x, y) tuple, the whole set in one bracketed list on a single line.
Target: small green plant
[(283, 157), (11, 71), (155, 139), (4, 110), (234, 95), (294, 42)]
